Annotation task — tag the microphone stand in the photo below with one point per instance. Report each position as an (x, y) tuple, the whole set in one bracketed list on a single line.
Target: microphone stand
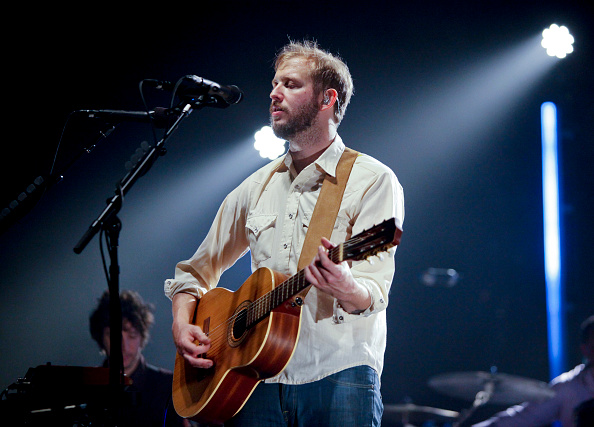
[(192, 102), (109, 222), (142, 167)]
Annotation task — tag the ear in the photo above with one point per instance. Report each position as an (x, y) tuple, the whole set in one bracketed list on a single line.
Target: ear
[(329, 97)]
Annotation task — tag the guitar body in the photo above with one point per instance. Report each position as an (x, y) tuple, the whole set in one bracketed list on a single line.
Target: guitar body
[(242, 356)]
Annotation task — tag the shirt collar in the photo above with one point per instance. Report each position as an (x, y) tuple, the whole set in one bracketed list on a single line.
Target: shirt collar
[(328, 160)]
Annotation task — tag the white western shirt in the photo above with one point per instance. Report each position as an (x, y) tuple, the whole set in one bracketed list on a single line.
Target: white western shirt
[(272, 223)]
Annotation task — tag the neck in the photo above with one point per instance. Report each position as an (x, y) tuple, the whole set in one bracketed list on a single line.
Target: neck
[(306, 147), (129, 370), (301, 163)]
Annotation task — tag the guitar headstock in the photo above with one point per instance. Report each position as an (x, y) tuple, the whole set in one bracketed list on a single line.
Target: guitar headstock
[(378, 238)]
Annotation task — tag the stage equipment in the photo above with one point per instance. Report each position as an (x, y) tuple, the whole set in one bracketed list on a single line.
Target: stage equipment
[(158, 117), (440, 277), (197, 88), (62, 396), (409, 414), (553, 265), (557, 41), (192, 93), (268, 144), (498, 388), (489, 387)]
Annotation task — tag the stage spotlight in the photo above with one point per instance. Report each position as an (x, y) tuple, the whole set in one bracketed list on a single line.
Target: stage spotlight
[(268, 144), (557, 41)]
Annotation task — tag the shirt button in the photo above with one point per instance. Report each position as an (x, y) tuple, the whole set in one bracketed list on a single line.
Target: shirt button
[(290, 216), (285, 246)]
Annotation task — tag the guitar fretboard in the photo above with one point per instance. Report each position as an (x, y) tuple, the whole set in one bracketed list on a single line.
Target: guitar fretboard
[(370, 242), (262, 307)]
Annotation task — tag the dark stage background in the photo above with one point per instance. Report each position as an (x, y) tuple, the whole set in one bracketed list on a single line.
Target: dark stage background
[(446, 93)]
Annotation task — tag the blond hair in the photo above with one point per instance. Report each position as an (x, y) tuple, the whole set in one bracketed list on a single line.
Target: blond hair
[(327, 71)]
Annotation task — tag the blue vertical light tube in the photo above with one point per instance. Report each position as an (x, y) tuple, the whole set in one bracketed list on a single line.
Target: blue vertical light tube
[(552, 239)]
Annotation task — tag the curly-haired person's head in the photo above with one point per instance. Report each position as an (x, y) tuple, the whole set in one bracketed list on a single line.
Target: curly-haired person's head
[(134, 310)]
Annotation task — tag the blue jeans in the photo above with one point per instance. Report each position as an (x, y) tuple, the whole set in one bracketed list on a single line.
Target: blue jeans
[(348, 398)]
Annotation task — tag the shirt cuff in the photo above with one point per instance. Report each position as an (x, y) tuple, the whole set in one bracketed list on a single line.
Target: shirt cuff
[(340, 315), (173, 287)]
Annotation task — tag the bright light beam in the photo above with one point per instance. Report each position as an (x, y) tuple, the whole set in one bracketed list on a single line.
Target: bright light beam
[(557, 41), (449, 117), (552, 239)]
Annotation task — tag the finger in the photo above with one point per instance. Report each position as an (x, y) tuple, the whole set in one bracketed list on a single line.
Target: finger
[(309, 276), (314, 276), (192, 341), (192, 349), (327, 243), (198, 349), (198, 336), (198, 362), (326, 262)]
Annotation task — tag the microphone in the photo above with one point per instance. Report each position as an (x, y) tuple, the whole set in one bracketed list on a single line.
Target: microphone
[(158, 116), (193, 86)]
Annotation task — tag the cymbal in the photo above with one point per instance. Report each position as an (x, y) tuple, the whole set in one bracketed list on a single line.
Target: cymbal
[(507, 389), (410, 413)]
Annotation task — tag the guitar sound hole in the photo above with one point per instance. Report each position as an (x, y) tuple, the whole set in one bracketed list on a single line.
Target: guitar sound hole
[(238, 330), (240, 325)]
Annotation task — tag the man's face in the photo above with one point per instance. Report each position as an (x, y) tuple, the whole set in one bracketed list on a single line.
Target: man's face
[(131, 345), (294, 107)]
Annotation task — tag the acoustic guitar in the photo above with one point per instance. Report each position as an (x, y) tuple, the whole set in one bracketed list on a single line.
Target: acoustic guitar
[(254, 331)]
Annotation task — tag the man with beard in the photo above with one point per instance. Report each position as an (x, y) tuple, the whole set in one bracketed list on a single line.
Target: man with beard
[(333, 377)]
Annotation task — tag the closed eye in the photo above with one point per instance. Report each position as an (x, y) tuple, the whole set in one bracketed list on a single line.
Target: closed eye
[(288, 83)]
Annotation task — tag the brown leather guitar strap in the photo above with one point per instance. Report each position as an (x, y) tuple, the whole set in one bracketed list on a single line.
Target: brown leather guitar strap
[(324, 215)]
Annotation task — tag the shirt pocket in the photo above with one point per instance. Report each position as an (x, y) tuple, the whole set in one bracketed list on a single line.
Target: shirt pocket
[(340, 231), (260, 231)]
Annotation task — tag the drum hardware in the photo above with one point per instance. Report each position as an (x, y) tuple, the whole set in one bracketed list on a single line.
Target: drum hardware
[(489, 387), (409, 414)]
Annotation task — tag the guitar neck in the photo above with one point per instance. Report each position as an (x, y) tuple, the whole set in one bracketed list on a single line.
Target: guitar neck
[(262, 307), (367, 243)]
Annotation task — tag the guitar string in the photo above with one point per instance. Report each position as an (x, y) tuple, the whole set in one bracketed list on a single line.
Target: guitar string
[(262, 305), (265, 300), (218, 335), (259, 308)]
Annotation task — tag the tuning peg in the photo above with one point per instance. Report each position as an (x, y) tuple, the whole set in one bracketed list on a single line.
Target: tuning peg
[(370, 261), (381, 256)]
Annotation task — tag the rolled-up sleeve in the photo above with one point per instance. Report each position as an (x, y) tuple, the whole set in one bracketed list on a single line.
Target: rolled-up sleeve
[(224, 244), (382, 199)]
